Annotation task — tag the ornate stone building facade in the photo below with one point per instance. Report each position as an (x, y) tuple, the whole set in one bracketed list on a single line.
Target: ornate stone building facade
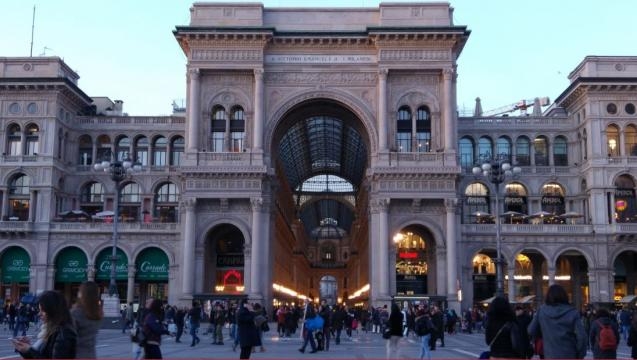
[(320, 155)]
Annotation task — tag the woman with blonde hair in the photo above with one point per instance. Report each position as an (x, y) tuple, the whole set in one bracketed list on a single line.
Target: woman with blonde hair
[(87, 314), (57, 338)]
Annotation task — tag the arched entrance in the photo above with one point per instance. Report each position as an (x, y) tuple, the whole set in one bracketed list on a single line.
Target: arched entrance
[(328, 289), (103, 271), (224, 262), (70, 271), (16, 265), (625, 275), (415, 262), (571, 271), (321, 153), (151, 274)]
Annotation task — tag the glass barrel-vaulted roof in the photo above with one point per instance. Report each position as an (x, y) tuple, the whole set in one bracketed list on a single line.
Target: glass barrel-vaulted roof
[(324, 160)]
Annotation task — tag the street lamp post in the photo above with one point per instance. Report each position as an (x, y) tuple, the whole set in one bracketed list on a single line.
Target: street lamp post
[(118, 171), (495, 170)]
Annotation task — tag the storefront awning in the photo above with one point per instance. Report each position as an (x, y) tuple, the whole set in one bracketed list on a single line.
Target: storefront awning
[(628, 299), (15, 265), (70, 266), (152, 265), (103, 265)]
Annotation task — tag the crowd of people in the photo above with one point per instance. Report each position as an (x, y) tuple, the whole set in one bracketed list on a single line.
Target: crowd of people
[(555, 330)]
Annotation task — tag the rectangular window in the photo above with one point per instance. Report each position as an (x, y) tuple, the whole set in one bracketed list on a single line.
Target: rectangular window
[(403, 142), (86, 157), (160, 158), (33, 147), (14, 147), (142, 157), (217, 141), (237, 142), (424, 141)]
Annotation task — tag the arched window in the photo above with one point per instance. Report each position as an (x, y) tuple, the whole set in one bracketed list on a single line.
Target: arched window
[(541, 146), (423, 129), (476, 204), (103, 149), (122, 149), (130, 202), (503, 147), (160, 149), (19, 198), (33, 139), (166, 202), (92, 198), (218, 128), (467, 159), (625, 209), (141, 150), (403, 129), (553, 199), (612, 139), (485, 148), (237, 129), (523, 151), (14, 140), (560, 151), (176, 151), (515, 203), (85, 153), (630, 136)]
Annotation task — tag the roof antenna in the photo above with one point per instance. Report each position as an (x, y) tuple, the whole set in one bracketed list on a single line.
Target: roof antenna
[(32, 31)]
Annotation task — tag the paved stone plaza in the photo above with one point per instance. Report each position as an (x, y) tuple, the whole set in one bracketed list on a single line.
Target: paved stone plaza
[(115, 345)]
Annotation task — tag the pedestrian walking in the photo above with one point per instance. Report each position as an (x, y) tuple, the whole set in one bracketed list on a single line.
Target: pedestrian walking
[(560, 326), (87, 316), (180, 316), (502, 332), (437, 318), (423, 328), (129, 317), (153, 329), (312, 323), (57, 338), (395, 324), (194, 317), (604, 336), (246, 329)]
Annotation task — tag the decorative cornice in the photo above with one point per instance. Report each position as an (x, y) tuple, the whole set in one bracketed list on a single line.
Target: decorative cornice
[(415, 54), (250, 55)]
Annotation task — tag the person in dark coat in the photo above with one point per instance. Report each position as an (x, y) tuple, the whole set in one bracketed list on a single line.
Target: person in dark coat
[(246, 329), (153, 329), (395, 324), (437, 319), (603, 318), (524, 319), (57, 338), (501, 329), (180, 316)]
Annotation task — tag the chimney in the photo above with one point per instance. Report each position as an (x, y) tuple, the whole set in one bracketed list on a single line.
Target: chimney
[(118, 109)]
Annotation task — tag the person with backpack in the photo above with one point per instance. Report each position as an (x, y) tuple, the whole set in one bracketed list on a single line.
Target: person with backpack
[(560, 326), (422, 328), (604, 336)]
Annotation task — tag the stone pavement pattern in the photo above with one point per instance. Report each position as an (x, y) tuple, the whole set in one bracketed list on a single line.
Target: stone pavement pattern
[(115, 345)]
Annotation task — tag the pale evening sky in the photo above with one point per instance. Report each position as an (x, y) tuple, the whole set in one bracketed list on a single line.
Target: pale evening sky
[(125, 49)]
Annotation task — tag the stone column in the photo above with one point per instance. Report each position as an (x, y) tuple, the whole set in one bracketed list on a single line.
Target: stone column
[(511, 273), (193, 110), (612, 206), (130, 285), (258, 110), (382, 110), (90, 273), (383, 248), (188, 250), (551, 273), (447, 109), (247, 267), (32, 205), (452, 254), (4, 210), (258, 251)]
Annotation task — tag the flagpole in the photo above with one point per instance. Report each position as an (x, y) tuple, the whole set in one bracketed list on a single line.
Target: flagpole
[(32, 31)]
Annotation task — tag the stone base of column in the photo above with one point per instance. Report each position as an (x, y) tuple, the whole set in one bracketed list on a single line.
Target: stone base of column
[(453, 303)]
